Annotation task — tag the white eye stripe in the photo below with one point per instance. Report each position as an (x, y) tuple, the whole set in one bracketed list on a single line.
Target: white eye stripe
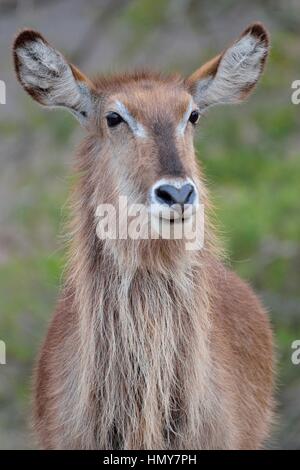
[(139, 130), (183, 123), (135, 126)]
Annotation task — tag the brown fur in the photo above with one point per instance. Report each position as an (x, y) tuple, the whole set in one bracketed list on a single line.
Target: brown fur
[(151, 346)]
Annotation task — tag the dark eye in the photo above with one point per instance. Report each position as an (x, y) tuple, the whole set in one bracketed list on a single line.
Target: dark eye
[(113, 119), (194, 117)]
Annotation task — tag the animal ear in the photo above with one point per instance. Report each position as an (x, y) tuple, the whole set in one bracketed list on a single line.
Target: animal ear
[(48, 77), (231, 76)]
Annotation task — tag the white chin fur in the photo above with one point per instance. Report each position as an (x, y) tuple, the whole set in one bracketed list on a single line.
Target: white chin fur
[(171, 225), (161, 211)]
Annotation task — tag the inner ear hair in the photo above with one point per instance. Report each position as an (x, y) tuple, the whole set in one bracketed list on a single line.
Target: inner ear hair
[(49, 78), (29, 64), (231, 76)]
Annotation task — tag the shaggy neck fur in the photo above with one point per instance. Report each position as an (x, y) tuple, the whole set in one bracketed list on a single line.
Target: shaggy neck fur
[(143, 361)]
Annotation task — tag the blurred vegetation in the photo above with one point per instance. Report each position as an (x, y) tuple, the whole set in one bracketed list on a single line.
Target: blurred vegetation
[(251, 157)]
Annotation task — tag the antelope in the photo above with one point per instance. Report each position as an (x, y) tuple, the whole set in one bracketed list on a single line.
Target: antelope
[(151, 346)]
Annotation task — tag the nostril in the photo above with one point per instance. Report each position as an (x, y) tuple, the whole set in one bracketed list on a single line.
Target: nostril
[(190, 196), (164, 195)]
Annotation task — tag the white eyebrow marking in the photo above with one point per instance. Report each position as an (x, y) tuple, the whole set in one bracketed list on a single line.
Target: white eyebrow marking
[(182, 125), (135, 126)]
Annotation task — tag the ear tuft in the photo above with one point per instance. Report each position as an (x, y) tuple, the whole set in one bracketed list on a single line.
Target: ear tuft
[(261, 39), (25, 36), (259, 31)]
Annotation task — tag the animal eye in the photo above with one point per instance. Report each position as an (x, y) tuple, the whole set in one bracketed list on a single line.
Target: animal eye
[(194, 117), (113, 119)]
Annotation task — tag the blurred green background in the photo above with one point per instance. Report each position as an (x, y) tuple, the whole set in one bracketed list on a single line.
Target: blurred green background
[(251, 155)]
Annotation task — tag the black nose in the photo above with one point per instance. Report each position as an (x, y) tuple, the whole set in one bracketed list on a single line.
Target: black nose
[(170, 195)]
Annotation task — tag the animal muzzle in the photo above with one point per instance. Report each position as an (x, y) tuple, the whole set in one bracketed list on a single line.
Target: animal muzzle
[(174, 199)]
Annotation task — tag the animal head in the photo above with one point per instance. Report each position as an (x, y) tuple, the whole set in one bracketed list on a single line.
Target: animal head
[(142, 124)]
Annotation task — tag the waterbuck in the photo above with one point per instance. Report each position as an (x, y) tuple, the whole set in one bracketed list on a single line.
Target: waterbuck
[(152, 345)]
